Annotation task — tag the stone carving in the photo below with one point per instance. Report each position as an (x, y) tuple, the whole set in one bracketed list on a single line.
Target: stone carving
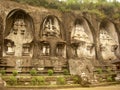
[(17, 41), (108, 45), (46, 50), (10, 48), (51, 28), (20, 37), (51, 42), (81, 45)]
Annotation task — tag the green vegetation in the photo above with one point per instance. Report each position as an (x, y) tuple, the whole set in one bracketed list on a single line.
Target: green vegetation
[(3, 72), (77, 79), (99, 71), (33, 72), (65, 72), (40, 80), (15, 73), (110, 79), (100, 7), (12, 80), (50, 72), (34, 81), (61, 81)]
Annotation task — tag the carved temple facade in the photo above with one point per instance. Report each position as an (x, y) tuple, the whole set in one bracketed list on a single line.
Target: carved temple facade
[(49, 39)]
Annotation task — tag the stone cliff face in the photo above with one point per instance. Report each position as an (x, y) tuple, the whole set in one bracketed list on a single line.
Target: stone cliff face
[(36, 37)]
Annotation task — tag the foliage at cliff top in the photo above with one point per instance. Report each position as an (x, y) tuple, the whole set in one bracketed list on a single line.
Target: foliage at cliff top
[(102, 7)]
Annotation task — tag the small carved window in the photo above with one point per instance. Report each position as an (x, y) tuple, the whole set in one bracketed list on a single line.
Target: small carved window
[(59, 49), (10, 48), (26, 49), (46, 49)]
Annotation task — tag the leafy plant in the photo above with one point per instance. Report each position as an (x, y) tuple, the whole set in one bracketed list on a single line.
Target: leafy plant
[(15, 73), (109, 70), (109, 79), (99, 70), (65, 72), (77, 79), (50, 72), (34, 81), (61, 80), (13, 80), (33, 72), (40, 80), (3, 72)]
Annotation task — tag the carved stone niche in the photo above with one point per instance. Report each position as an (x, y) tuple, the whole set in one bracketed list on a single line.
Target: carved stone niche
[(108, 45), (60, 49), (26, 49), (50, 27), (45, 48), (50, 33), (75, 45), (9, 47), (81, 39), (19, 29)]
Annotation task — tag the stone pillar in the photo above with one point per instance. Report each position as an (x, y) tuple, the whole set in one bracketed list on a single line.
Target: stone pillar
[(53, 48)]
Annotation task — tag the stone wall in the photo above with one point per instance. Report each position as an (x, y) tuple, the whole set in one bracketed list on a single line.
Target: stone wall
[(54, 38)]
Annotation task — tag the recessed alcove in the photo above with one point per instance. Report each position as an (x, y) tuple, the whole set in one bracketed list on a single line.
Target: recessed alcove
[(108, 40), (82, 39), (18, 30), (18, 40), (52, 34)]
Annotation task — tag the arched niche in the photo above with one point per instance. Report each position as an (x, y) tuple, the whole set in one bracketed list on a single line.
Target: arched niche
[(51, 37), (50, 27), (18, 34), (82, 39), (108, 40), (1, 37)]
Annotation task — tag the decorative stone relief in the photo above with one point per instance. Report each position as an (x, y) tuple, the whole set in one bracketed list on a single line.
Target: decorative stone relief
[(81, 45), (20, 37), (108, 45), (51, 28), (51, 42)]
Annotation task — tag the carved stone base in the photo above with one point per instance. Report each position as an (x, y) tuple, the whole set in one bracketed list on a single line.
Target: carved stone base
[(57, 68)]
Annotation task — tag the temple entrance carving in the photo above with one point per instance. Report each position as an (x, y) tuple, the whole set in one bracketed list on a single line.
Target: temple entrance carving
[(18, 39), (19, 36), (82, 45), (108, 45), (52, 45), (51, 41)]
